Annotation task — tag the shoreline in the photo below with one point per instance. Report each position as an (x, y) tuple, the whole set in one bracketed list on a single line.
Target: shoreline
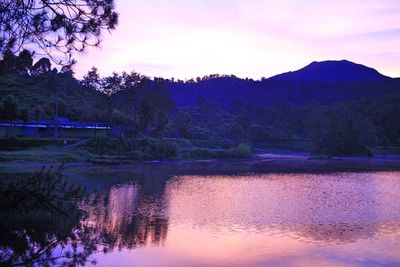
[(274, 163)]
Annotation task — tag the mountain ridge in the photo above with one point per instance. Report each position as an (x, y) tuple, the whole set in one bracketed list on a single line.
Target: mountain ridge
[(325, 82), (333, 70)]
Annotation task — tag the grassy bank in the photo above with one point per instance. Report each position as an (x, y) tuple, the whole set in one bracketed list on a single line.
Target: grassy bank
[(44, 155), (156, 149), (106, 150)]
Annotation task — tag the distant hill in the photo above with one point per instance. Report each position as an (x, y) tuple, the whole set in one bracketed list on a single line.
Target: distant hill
[(332, 71), (324, 82)]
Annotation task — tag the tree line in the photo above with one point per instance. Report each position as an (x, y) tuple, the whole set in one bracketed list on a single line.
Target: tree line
[(142, 106)]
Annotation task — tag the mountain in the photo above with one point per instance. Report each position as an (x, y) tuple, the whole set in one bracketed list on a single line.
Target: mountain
[(324, 82), (332, 71)]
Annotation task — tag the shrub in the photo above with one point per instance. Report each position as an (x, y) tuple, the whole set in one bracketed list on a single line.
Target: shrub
[(241, 151), (201, 153), (140, 149), (159, 148)]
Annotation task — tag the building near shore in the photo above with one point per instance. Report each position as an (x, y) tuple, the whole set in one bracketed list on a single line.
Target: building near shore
[(62, 128)]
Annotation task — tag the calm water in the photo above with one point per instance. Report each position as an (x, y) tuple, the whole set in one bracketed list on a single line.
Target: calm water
[(158, 217), (344, 219)]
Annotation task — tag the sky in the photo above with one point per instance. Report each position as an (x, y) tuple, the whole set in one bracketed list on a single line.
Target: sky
[(247, 38)]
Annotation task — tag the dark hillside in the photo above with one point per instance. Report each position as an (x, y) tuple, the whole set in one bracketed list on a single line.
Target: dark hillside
[(332, 71), (76, 102), (320, 82)]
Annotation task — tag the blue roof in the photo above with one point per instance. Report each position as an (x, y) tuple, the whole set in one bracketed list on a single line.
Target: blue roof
[(59, 123)]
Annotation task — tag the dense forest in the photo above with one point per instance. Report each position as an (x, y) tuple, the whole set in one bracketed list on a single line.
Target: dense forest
[(342, 108)]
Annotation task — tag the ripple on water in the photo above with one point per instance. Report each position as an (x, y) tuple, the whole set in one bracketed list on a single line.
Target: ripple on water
[(255, 220)]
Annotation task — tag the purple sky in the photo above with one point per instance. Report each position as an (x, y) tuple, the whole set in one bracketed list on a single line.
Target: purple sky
[(248, 38)]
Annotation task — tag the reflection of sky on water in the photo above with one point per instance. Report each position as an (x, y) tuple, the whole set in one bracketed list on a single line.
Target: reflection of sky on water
[(278, 219)]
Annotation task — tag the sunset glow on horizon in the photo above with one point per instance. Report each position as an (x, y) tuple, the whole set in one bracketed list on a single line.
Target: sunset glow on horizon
[(253, 38)]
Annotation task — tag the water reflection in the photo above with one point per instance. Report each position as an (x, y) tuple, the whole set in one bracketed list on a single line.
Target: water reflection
[(155, 217), (41, 223), (326, 208), (130, 216), (278, 219)]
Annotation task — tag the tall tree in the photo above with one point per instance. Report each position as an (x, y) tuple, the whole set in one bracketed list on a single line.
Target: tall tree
[(9, 111), (345, 133), (54, 26), (111, 84), (92, 79), (42, 66), (52, 84), (10, 108), (25, 61), (38, 112), (20, 64)]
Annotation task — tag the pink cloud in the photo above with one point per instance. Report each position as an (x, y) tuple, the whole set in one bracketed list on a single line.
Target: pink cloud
[(250, 38)]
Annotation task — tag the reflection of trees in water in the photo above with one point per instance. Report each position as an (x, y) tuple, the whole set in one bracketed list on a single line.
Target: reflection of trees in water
[(40, 222), (130, 215), (44, 221)]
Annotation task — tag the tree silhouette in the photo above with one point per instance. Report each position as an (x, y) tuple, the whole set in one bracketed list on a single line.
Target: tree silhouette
[(38, 113), (20, 64), (54, 27), (92, 79), (40, 221), (10, 108), (42, 66)]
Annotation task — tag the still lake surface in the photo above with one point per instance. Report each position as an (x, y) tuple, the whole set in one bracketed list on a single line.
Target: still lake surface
[(174, 216)]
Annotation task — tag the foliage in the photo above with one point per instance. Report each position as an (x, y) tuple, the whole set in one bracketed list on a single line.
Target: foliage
[(40, 215), (92, 79), (145, 103), (349, 128), (9, 108), (42, 66), (26, 93), (44, 155), (345, 135), (157, 149), (54, 27), (139, 149), (241, 151), (142, 108), (20, 64)]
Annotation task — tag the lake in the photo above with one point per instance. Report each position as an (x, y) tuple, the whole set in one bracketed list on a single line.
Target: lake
[(183, 216)]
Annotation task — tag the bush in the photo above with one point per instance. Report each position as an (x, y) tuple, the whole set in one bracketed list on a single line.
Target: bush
[(103, 145), (154, 148), (138, 149), (202, 153), (345, 134), (158, 148), (241, 151)]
